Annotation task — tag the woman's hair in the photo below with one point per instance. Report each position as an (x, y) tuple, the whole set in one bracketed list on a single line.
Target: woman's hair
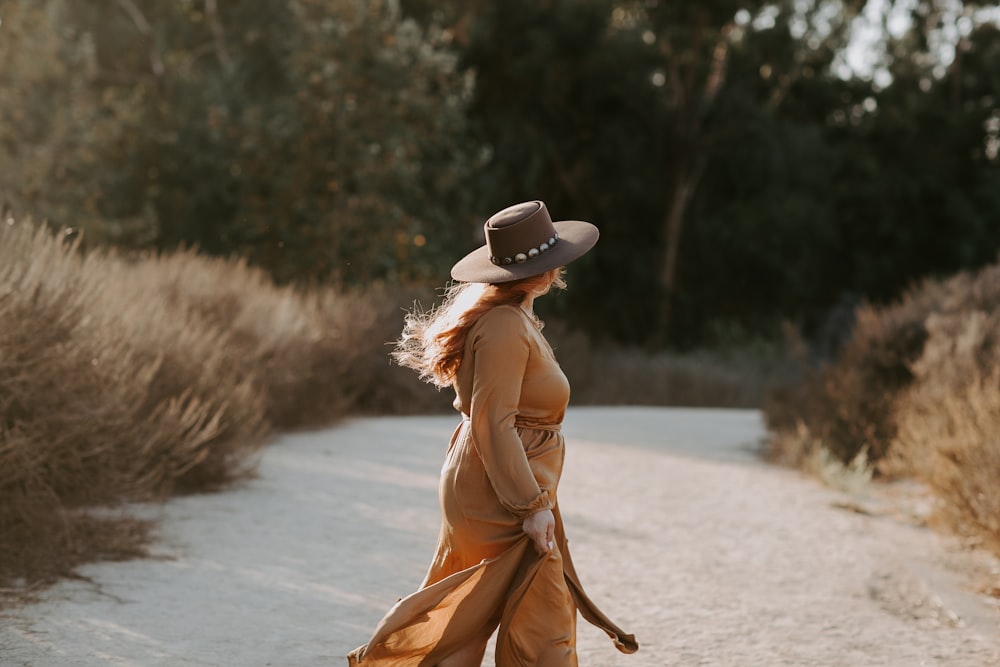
[(432, 342)]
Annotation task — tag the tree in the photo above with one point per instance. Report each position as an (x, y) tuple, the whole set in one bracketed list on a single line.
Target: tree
[(616, 110), (322, 140), (919, 180)]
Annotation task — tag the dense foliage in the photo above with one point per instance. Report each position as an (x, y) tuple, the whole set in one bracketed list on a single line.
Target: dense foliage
[(741, 173), (319, 140)]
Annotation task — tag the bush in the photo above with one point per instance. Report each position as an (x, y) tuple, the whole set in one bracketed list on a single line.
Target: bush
[(949, 420), (134, 378), (603, 374), (846, 404), (917, 388)]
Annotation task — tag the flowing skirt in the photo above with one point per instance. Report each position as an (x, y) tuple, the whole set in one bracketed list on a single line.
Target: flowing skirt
[(486, 573)]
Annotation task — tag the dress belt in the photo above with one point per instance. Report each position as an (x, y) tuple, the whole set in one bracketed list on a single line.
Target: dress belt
[(537, 426), (529, 423)]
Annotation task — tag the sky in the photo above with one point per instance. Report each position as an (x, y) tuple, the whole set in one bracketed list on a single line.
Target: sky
[(867, 46)]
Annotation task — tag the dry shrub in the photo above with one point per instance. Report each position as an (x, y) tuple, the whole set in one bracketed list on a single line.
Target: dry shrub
[(134, 378), (357, 361), (107, 392), (847, 404), (949, 421), (918, 387), (377, 385), (800, 449), (611, 375)]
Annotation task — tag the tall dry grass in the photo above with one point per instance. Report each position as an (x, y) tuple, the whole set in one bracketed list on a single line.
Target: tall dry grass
[(608, 374), (949, 419), (134, 378), (916, 388)]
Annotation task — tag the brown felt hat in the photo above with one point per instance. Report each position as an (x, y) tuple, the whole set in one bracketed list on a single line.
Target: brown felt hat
[(522, 241)]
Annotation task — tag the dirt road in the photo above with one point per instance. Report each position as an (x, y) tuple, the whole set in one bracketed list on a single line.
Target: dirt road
[(679, 532)]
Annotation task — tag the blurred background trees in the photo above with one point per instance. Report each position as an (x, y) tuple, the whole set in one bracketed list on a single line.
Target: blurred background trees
[(322, 140), (748, 162)]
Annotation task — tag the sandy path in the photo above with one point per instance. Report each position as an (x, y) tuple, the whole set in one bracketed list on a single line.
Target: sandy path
[(709, 556)]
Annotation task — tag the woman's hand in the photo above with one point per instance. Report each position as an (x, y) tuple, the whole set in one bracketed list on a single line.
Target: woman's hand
[(541, 528)]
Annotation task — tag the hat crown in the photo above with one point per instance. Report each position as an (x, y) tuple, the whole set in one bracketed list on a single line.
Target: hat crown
[(518, 228)]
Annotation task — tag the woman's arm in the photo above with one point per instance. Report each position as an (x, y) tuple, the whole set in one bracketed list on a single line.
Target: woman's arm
[(500, 350)]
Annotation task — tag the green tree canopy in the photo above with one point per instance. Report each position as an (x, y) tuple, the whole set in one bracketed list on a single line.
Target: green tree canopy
[(322, 140), (740, 172)]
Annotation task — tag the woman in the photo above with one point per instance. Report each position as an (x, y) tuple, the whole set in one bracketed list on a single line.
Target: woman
[(501, 559)]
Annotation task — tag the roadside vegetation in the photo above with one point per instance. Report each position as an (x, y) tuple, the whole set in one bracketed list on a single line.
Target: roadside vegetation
[(134, 378), (130, 378), (915, 391)]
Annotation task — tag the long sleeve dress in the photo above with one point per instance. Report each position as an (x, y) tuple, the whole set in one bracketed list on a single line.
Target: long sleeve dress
[(503, 464)]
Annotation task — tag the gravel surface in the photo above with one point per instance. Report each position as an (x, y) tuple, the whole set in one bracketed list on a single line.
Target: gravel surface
[(679, 533)]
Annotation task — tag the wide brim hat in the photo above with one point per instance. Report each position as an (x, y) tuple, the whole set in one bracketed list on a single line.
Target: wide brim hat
[(523, 241)]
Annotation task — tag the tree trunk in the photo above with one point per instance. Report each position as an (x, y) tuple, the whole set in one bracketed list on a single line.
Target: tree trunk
[(673, 225), (690, 143)]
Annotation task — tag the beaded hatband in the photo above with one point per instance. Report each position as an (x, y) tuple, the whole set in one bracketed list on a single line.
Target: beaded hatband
[(522, 257)]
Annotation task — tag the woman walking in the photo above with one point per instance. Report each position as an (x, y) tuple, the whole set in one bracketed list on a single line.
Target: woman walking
[(502, 558)]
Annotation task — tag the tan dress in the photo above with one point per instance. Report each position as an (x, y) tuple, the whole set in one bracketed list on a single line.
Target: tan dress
[(503, 464)]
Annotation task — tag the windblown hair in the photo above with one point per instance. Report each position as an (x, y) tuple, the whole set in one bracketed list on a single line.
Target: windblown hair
[(433, 341)]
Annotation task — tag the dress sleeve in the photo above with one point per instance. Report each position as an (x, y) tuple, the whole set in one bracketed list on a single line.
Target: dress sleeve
[(500, 351)]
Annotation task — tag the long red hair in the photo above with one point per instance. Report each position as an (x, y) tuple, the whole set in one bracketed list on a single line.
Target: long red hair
[(433, 341)]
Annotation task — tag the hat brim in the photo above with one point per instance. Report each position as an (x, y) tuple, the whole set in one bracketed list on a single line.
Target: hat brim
[(576, 237)]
